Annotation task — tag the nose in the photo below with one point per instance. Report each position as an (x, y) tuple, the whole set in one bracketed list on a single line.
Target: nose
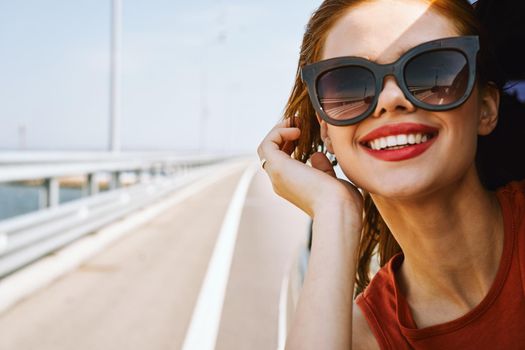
[(392, 99)]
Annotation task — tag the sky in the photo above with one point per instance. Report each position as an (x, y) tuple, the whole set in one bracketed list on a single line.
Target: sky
[(198, 75)]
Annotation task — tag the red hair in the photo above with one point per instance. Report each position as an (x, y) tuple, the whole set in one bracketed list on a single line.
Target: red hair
[(376, 236)]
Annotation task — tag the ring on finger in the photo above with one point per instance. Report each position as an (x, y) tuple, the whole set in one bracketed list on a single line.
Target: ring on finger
[(263, 162)]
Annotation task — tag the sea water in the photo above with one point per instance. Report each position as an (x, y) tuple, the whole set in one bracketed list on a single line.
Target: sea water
[(21, 199)]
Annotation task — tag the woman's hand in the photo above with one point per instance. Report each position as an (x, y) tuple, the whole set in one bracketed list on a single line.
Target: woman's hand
[(336, 208), (312, 189)]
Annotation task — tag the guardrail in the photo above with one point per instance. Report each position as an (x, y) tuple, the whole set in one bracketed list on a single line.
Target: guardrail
[(52, 166), (28, 237)]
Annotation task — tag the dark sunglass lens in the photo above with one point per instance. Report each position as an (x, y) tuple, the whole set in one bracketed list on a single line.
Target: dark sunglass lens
[(347, 92), (437, 77)]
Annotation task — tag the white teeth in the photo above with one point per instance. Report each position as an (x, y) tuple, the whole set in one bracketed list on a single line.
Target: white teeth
[(398, 140), (402, 139), (391, 141)]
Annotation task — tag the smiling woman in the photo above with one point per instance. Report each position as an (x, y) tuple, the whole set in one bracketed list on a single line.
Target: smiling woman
[(400, 92)]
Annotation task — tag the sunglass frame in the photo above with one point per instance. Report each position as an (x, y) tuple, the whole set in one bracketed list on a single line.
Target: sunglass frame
[(468, 45)]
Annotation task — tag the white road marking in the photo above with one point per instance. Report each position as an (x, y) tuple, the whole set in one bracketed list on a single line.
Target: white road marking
[(283, 303), (205, 321)]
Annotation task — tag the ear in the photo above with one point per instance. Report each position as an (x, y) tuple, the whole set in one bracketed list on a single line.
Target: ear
[(489, 109), (324, 135)]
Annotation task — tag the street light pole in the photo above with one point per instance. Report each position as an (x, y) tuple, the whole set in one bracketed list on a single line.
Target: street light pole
[(114, 80)]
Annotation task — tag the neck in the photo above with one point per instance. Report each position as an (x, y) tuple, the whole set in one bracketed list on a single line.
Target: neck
[(452, 240)]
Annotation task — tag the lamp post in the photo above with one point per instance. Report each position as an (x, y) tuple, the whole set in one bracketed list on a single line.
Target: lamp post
[(114, 79)]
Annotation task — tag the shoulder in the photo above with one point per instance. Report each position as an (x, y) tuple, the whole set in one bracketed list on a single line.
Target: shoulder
[(512, 201), (362, 336)]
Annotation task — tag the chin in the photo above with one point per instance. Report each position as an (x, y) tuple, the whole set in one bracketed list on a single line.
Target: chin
[(400, 186)]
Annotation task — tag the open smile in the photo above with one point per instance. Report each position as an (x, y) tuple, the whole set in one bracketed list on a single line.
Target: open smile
[(398, 142)]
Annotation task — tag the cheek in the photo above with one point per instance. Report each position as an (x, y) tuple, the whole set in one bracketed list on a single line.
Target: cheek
[(342, 138), (464, 126)]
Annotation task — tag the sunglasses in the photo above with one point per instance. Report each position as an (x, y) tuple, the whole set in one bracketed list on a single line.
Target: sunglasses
[(437, 76)]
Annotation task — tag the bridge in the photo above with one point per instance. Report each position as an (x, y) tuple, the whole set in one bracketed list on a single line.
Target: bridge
[(159, 252)]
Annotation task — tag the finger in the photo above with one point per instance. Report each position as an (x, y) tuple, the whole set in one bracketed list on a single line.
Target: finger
[(279, 137), (289, 146), (275, 141), (321, 162), (287, 123)]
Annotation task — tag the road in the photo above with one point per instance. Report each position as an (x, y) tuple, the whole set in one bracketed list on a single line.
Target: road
[(141, 292)]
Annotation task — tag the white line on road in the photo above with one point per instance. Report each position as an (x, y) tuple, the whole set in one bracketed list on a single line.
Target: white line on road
[(283, 321), (204, 325)]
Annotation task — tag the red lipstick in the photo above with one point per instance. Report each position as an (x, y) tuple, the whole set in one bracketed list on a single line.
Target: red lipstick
[(404, 152)]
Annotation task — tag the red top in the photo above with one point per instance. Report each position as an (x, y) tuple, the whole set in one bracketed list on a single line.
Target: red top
[(498, 322)]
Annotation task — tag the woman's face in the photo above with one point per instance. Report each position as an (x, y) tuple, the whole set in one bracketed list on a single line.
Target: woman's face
[(381, 31)]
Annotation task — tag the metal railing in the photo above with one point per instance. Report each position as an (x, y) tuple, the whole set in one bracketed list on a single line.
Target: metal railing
[(28, 237)]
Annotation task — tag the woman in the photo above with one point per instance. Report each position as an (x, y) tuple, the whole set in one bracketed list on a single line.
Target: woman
[(399, 92)]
